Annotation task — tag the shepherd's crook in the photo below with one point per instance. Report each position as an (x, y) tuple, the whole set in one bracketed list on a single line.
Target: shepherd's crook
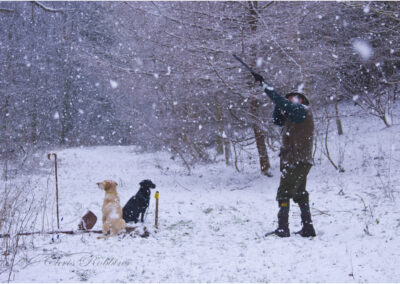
[(55, 171)]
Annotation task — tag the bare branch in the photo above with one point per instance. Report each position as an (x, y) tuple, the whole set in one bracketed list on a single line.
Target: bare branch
[(222, 80), (5, 10), (390, 14)]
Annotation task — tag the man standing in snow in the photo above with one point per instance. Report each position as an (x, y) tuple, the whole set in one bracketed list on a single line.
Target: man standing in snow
[(293, 113)]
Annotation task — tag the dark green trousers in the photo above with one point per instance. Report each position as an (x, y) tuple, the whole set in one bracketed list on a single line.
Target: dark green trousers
[(293, 183)]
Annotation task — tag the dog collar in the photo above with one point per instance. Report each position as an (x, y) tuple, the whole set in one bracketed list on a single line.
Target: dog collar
[(142, 197)]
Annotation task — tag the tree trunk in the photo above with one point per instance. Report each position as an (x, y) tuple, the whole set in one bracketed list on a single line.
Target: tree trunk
[(65, 117), (258, 133), (338, 121), (227, 149), (220, 140), (260, 141)]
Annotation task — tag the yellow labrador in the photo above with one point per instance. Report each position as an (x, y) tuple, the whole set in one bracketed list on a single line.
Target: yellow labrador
[(112, 211)]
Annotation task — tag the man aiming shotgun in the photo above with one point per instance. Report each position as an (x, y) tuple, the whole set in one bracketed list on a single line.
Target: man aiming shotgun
[(293, 113)]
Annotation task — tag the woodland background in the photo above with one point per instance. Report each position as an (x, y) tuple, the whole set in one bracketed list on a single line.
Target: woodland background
[(161, 75)]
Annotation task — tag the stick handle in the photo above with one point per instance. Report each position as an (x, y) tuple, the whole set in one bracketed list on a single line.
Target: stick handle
[(156, 197)]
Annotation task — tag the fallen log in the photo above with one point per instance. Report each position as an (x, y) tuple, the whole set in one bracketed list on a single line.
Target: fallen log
[(128, 230)]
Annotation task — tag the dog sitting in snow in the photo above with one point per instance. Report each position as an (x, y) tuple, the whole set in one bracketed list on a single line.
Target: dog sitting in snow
[(112, 212), (138, 203)]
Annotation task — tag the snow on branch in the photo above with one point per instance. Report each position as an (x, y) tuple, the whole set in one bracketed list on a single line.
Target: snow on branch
[(48, 9)]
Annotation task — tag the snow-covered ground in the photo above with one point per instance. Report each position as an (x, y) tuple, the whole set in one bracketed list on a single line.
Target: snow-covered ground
[(212, 222)]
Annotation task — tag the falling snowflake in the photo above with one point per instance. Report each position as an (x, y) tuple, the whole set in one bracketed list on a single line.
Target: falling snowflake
[(259, 61), (363, 48), (300, 88), (114, 84)]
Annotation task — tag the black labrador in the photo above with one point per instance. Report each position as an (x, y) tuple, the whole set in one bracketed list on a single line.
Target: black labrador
[(138, 203)]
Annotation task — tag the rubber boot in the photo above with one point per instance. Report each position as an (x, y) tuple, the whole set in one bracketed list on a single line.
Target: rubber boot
[(308, 228), (283, 220)]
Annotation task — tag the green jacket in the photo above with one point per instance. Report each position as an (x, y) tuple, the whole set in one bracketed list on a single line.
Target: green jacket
[(298, 129)]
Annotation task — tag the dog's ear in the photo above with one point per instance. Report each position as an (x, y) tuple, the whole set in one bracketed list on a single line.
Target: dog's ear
[(100, 185), (147, 183)]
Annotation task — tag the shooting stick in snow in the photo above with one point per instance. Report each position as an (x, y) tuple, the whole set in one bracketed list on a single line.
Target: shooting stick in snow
[(156, 197), (55, 171)]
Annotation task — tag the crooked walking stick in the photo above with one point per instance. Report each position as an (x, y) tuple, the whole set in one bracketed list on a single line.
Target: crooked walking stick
[(55, 172)]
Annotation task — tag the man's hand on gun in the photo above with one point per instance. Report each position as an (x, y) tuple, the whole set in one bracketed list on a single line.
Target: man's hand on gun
[(258, 78)]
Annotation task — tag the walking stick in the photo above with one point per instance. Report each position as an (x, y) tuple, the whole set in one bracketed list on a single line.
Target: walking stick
[(156, 197), (55, 171)]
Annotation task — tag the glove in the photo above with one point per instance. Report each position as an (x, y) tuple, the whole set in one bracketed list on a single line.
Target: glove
[(258, 77)]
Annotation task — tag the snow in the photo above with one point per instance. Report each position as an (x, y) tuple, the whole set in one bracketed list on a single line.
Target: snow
[(56, 115), (363, 48), (300, 88), (168, 71), (114, 84), (266, 86), (212, 222), (259, 61), (114, 214)]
